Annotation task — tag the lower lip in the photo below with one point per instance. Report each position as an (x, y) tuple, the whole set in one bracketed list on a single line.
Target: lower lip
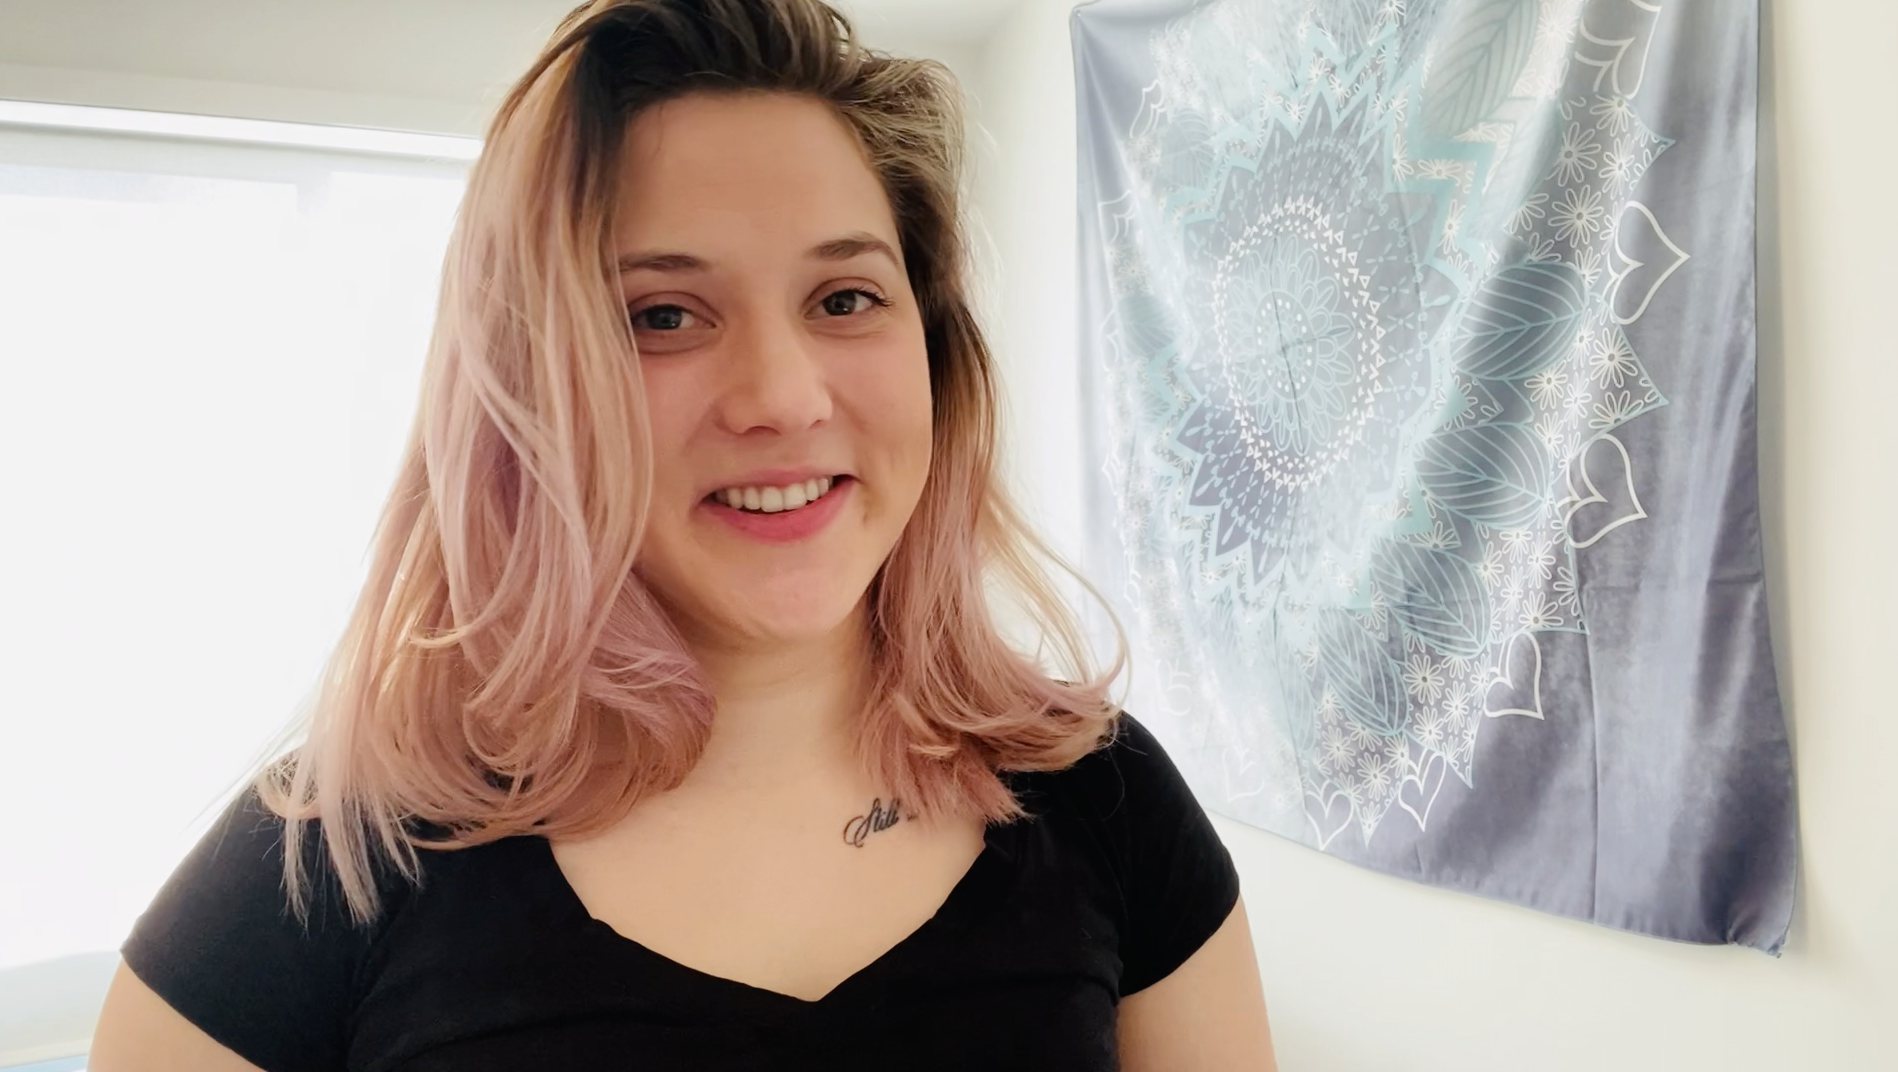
[(785, 526)]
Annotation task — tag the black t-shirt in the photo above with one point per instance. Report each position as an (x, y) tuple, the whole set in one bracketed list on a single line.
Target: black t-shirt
[(492, 962)]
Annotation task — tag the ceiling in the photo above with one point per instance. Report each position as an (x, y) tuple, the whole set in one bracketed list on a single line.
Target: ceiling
[(452, 50), (953, 22)]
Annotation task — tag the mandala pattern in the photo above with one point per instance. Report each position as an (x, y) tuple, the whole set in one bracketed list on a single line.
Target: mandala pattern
[(1365, 365)]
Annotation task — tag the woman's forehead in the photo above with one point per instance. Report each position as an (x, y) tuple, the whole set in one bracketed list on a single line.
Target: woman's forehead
[(774, 167)]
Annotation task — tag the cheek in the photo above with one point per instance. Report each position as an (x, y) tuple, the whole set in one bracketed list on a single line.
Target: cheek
[(674, 404), (673, 408), (912, 418), (903, 412), (665, 392), (667, 550)]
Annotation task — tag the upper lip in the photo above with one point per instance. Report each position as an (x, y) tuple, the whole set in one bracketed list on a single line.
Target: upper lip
[(776, 478)]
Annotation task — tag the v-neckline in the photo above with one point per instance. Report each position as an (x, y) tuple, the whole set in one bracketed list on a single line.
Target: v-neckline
[(964, 901)]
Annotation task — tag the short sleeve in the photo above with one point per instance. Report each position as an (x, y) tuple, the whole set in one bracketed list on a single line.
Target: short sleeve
[(220, 945), (1178, 880)]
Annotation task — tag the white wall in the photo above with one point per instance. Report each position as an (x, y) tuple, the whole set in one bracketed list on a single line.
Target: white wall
[(1023, 159), (1365, 973), (430, 65), (439, 66)]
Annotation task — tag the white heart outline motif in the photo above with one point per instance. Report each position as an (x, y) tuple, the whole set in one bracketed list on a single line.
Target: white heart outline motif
[(1246, 763), (1576, 501), (1419, 777), (1324, 839), (1615, 279), (1500, 676)]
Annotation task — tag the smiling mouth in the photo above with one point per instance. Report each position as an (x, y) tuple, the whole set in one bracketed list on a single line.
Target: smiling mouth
[(777, 500)]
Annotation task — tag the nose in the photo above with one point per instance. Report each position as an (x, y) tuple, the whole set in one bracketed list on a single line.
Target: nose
[(776, 380)]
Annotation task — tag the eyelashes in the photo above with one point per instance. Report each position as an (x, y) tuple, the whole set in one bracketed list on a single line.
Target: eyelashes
[(675, 315), (669, 317), (875, 299)]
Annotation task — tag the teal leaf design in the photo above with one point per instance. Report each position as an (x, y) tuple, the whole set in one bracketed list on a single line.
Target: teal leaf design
[(1520, 320), (1495, 474), (1483, 54), (1145, 325), (1361, 673), (1436, 594), (1297, 701)]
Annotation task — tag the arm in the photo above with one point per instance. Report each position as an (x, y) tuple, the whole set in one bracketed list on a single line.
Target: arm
[(138, 1032), (1207, 1016)]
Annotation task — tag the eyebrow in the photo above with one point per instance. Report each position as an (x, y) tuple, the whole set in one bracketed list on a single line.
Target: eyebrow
[(854, 245), (837, 249)]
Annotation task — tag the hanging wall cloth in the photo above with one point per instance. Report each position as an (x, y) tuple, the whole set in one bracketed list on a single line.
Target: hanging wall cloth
[(1418, 338)]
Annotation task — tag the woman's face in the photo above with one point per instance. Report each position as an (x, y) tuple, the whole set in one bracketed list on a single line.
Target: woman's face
[(784, 364)]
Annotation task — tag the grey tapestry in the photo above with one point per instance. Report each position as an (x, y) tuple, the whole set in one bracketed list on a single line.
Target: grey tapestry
[(1418, 343)]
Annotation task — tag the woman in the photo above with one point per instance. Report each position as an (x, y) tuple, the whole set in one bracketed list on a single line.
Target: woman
[(672, 730)]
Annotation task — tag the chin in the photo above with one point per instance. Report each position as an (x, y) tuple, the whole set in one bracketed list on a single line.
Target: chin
[(762, 604), (795, 620), (782, 611)]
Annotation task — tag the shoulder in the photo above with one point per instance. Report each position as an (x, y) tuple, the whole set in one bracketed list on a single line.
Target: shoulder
[(1174, 879), (241, 858), (1129, 774), (1133, 753), (1127, 795), (221, 945)]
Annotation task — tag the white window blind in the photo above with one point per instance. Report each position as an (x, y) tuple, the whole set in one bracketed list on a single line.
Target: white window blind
[(209, 358)]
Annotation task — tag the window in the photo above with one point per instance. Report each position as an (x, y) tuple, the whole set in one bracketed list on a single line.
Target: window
[(209, 357)]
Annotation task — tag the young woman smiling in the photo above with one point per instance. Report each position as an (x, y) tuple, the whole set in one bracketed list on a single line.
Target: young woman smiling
[(672, 730)]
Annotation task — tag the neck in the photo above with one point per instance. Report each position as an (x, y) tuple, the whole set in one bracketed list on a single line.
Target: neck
[(784, 710)]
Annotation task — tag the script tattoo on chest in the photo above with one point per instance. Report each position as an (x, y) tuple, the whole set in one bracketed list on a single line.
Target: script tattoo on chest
[(880, 817)]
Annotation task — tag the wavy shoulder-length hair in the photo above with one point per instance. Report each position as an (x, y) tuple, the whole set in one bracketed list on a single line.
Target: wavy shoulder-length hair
[(504, 670)]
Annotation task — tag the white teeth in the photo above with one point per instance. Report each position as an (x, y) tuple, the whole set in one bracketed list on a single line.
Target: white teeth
[(775, 500)]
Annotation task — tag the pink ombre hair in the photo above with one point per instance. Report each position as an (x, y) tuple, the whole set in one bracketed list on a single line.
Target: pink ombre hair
[(504, 671)]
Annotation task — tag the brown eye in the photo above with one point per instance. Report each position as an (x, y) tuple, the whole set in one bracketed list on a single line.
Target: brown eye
[(851, 300), (661, 318)]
